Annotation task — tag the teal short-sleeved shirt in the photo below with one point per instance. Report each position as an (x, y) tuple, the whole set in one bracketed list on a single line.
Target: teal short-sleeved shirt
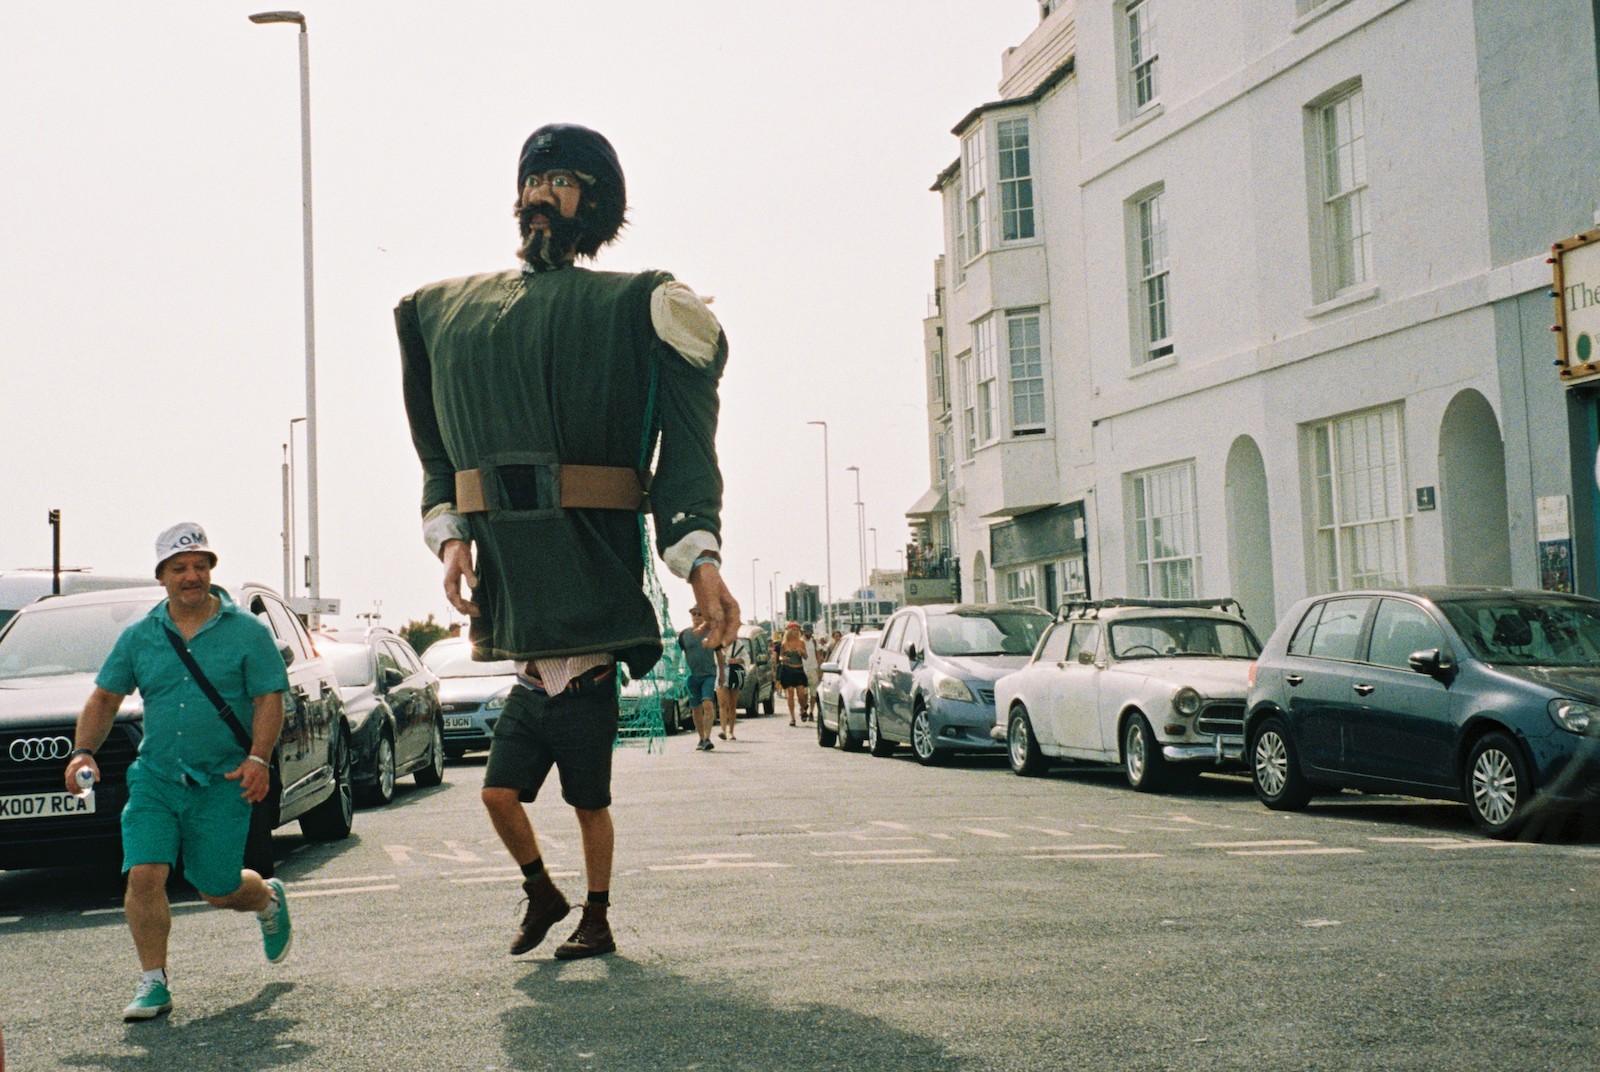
[(183, 733)]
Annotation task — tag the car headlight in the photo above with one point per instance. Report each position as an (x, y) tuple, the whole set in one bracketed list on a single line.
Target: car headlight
[(951, 688), (498, 702), (1186, 701), (1577, 716)]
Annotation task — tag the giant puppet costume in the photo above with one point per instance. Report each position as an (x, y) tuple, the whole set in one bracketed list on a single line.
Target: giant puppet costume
[(537, 399)]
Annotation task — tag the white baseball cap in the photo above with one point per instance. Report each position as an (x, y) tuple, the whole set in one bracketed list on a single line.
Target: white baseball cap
[(184, 536)]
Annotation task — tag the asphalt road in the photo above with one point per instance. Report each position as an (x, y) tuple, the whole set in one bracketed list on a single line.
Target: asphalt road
[(780, 906)]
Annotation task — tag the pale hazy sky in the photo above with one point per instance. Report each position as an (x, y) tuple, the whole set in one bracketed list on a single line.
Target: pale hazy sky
[(778, 157)]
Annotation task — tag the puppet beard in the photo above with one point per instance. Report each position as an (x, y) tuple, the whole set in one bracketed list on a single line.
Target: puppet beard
[(544, 250)]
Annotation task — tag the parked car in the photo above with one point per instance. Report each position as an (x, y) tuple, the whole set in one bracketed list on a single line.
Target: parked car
[(666, 684), (50, 652), (757, 694), (471, 694), (1488, 696), (392, 703), (20, 587), (1157, 686), (842, 692), (931, 681)]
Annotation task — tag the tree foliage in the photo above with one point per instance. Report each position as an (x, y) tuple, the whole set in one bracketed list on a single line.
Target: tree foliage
[(421, 634)]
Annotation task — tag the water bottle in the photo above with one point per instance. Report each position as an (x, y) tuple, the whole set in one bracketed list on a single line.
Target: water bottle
[(85, 780)]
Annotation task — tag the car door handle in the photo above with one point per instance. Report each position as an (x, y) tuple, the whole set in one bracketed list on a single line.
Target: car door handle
[(1364, 690), (1292, 679)]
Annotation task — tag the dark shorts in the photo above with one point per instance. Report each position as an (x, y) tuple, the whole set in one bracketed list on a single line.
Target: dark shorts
[(702, 689), (572, 731)]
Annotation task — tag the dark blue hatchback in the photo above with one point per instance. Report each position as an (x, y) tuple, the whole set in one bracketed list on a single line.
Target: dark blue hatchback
[(1489, 696)]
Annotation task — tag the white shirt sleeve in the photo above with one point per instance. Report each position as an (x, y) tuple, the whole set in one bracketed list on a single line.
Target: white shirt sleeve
[(681, 555), (684, 322), (441, 524)]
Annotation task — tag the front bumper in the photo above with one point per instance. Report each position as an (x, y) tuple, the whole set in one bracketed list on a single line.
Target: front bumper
[(964, 726), (1219, 751), (468, 727)]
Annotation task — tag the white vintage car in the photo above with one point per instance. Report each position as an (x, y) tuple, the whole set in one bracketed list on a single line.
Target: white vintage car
[(1157, 686)]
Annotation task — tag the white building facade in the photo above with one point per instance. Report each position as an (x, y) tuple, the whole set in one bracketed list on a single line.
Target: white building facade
[(1286, 273)]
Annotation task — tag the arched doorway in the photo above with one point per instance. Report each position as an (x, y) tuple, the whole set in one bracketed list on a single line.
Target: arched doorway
[(1472, 493), (1250, 535)]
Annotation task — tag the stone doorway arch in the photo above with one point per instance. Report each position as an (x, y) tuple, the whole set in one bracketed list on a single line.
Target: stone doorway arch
[(1472, 493), (1250, 535)]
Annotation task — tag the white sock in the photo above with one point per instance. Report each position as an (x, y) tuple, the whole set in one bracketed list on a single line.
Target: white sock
[(272, 905), (155, 975)]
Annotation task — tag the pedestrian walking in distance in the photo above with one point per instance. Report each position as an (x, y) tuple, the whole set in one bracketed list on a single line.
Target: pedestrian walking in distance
[(537, 399), (191, 789), (703, 669)]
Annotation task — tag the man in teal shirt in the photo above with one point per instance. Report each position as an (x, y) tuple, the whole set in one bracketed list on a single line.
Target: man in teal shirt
[(182, 796)]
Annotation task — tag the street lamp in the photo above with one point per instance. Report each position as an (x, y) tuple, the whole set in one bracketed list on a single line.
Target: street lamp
[(314, 570), (861, 521), (288, 512), (874, 549), (755, 608), (772, 598), (827, 525)]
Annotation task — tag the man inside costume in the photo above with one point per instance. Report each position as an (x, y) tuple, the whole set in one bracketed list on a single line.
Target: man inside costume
[(538, 398)]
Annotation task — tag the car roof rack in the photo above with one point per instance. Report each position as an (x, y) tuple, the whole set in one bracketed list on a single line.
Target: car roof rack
[(1094, 606)]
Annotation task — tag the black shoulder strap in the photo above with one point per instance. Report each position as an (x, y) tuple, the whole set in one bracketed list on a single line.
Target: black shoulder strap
[(209, 689)]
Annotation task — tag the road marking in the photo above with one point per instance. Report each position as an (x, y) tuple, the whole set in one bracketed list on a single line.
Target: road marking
[(1480, 845), (352, 889), (10, 919), (869, 852), (891, 826), (1298, 852), (1249, 844), (515, 876), (904, 860), (1094, 856), (1113, 829), (981, 832), (1318, 922), (1048, 830), (716, 856), (297, 883), (711, 865), (1103, 847), (401, 854), (498, 869), (884, 837), (1416, 840)]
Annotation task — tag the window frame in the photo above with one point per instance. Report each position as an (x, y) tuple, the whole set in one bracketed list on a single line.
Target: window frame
[(1141, 64), (986, 371), (1339, 194), (974, 191), (1038, 394), (1145, 564), (1017, 209), (969, 406), (1343, 530), (1150, 270)]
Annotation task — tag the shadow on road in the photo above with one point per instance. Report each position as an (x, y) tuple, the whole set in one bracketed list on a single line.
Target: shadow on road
[(239, 1038), (619, 1014)]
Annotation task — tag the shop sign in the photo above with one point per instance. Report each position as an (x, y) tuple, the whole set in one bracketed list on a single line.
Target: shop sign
[(1576, 269)]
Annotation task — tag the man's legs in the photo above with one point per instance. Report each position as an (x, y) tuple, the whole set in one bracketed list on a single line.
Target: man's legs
[(510, 821), (593, 936), (547, 906), (149, 915)]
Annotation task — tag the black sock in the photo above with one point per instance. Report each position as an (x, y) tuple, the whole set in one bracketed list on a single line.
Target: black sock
[(533, 870), (600, 898)]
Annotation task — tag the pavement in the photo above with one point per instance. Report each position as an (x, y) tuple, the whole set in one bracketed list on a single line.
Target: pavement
[(782, 906)]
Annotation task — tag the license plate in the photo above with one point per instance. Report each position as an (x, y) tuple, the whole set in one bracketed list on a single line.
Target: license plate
[(44, 805), (457, 722)]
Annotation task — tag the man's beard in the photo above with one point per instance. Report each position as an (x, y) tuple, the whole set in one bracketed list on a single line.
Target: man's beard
[(552, 247)]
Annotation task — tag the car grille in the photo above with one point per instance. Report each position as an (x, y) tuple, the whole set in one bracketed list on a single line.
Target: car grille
[(465, 708), (45, 775), (1222, 719), (985, 696)]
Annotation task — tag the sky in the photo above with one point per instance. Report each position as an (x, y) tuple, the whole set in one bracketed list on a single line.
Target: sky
[(778, 159)]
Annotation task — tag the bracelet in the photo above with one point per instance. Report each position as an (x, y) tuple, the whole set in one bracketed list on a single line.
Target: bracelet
[(703, 560), (76, 752), (259, 760)]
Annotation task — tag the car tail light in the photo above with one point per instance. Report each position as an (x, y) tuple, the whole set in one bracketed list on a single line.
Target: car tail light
[(1250, 676)]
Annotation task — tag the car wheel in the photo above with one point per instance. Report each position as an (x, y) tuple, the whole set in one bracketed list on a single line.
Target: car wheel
[(1275, 769), (669, 717), (331, 820), (381, 791), (876, 744), (845, 741), (825, 736), (1499, 791), (1141, 756), (433, 774), (922, 745), (1022, 748), (769, 704)]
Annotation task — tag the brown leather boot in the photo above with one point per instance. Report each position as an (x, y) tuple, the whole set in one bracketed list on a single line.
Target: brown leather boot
[(592, 937), (546, 908)]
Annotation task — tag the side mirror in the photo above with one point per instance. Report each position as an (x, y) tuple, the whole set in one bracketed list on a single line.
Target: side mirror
[(1086, 657), (830, 668), (286, 652), (392, 678), (1433, 663), (913, 653)]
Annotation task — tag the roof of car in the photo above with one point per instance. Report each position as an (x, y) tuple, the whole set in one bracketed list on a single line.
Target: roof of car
[(1447, 593)]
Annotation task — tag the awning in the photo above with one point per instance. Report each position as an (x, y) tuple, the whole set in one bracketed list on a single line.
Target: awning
[(933, 501)]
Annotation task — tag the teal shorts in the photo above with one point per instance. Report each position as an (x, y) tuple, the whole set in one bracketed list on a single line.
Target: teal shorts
[(205, 825)]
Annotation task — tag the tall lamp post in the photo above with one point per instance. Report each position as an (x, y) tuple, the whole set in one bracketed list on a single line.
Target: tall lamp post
[(288, 512), (827, 527), (755, 608), (314, 553), (874, 549), (861, 521), (772, 598)]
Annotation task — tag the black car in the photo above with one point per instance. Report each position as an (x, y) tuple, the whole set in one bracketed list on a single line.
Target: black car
[(1488, 696), (50, 652), (392, 703)]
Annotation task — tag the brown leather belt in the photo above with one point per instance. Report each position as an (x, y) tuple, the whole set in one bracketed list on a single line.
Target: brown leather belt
[(580, 487)]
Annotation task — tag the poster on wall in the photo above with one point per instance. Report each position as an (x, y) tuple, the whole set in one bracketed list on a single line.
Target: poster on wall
[(1554, 530)]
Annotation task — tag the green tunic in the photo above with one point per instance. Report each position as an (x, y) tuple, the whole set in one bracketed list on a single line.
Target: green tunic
[(518, 369)]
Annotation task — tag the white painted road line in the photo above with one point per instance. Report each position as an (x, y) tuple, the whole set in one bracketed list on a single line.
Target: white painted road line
[(870, 852), (352, 889), (711, 865), (891, 826), (515, 876), (904, 860), (1051, 832), (297, 883), (1481, 845), (981, 832), (1298, 852), (10, 919), (1103, 847), (1249, 844), (1094, 856)]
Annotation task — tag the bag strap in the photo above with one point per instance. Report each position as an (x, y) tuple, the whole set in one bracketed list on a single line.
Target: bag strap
[(209, 689)]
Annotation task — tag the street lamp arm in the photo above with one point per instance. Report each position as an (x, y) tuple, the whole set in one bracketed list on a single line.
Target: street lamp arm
[(263, 17)]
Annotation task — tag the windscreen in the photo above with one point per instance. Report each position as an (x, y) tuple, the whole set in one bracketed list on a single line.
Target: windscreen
[(1527, 630), (352, 663), (996, 632), (455, 660), (1166, 638), (65, 640)]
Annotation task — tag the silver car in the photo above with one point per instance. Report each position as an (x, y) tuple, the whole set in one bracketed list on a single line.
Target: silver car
[(471, 694), (842, 693)]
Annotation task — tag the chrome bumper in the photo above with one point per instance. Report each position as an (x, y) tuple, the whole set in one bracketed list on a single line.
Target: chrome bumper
[(1220, 750)]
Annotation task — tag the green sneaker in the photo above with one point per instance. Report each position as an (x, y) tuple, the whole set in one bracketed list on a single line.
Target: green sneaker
[(149, 1001), (276, 934)]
